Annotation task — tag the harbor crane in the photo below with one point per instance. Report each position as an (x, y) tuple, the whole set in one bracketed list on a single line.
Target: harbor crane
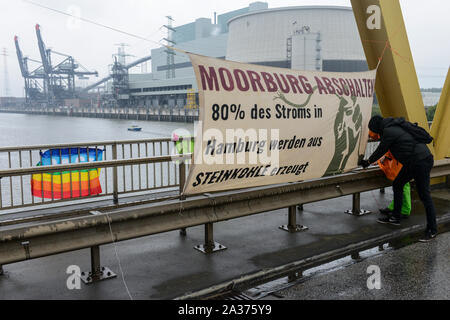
[(60, 79), (34, 84), (51, 83)]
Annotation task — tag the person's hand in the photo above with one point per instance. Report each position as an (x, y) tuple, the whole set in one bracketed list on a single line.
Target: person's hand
[(364, 163)]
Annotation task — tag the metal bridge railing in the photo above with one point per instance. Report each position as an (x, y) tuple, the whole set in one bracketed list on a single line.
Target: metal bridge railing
[(139, 174), (371, 147), (119, 224), (131, 177)]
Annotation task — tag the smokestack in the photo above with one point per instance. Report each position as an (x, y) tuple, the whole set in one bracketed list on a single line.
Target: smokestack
[(215, 17)]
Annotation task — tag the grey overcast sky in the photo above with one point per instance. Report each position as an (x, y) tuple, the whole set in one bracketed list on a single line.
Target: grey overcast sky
[(427, 23)]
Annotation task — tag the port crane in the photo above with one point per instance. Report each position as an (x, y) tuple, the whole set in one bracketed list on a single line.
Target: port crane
[(34, 80), (51, 83), (59, 79)]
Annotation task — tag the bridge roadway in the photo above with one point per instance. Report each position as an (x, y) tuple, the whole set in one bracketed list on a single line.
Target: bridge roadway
[(417, 271), (165, 265)]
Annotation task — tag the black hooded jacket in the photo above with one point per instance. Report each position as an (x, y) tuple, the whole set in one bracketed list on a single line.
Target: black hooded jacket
[(401, 144)]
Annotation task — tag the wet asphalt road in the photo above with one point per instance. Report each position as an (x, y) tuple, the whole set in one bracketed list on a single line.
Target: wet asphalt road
[(418, 271), (166, 266)]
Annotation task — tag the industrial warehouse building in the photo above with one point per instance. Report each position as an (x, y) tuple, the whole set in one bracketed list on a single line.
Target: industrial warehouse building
[(304, 38)]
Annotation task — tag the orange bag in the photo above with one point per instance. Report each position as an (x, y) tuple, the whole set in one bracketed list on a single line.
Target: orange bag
[(388, 164)]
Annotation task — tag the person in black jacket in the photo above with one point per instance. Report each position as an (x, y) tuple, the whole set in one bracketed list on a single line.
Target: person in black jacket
[(417, 162)]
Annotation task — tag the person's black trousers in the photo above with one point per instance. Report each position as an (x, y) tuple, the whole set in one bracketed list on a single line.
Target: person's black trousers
[(420, 172)]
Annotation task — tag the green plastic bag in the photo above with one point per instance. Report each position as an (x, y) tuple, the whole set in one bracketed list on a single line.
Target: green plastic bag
[(406, 204)]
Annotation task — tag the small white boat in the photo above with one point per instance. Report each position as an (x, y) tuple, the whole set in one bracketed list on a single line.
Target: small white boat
[(134, 128)]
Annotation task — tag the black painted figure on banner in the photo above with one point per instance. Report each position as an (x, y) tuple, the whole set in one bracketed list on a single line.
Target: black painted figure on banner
[(346, 137), (417, 162)]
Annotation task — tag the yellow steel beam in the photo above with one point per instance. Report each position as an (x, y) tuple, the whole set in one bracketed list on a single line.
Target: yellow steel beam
[(440, 129), (397, 86)]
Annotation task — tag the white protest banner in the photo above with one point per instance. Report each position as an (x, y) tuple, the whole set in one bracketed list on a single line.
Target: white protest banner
[(262, 125)]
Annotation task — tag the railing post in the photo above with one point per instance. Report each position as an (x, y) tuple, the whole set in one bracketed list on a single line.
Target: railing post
[(356, 206), (295, 276), (98, 273), (210, 245), (95, 260), (182, 174), (356, 202), (292, 225), (355, 256), (115, 179)]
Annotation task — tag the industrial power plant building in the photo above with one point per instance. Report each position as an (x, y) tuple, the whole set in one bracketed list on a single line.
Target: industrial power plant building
[(305, 38)]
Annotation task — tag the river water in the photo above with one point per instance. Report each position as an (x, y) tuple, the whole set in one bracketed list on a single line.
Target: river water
[(21, 129), (28, 130)]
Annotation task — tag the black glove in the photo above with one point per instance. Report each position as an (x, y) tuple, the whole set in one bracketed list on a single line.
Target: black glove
[(364, 163)]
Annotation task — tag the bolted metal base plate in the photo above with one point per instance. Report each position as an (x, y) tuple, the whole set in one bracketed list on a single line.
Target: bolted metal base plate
[(361, 212), (105, 274), (297, 228), (210, 249)]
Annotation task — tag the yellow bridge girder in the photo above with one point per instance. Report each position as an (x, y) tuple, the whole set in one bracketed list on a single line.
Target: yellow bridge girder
[(440, 129), (397, 86)]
